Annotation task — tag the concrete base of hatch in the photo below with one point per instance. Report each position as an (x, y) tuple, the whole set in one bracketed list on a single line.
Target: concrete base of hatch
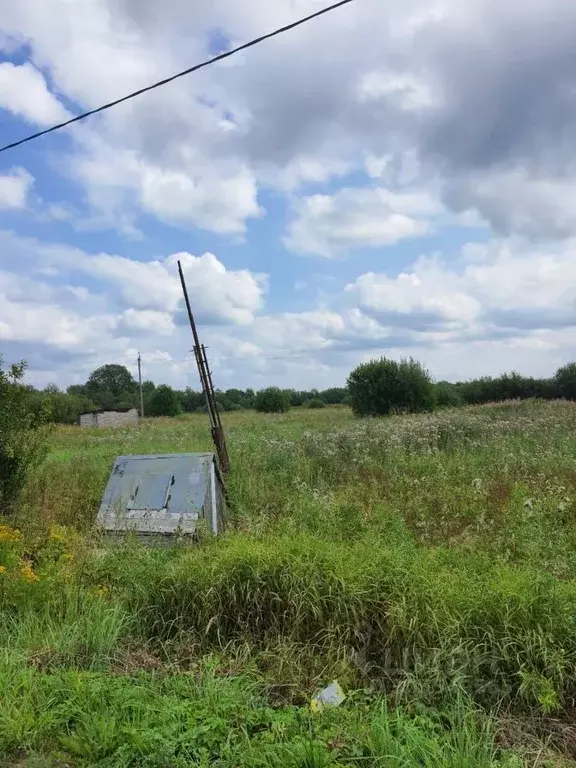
[(161, 498), (112, 539)]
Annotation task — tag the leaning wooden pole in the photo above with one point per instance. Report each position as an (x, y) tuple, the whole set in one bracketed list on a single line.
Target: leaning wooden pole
[(207, 386)]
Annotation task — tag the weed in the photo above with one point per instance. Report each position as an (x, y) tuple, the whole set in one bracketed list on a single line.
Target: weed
[(425, 561)]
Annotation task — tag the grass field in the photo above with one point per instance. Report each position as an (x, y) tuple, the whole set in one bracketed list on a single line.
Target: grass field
[(425, 562)]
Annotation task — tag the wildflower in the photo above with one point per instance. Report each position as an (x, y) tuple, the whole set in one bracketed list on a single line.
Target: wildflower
[(101, 591), (9, 535), (58, 534), (27, 573), (2, 569)]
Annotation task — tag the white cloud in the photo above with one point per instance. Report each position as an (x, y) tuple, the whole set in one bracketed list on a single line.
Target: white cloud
[(516, 201), (506, 288), (43, 323), (218, 204), (14, 188), (166, 154), (358, 218), (74, 311), (376, 165), (188, 192), (421, 96), (425, 298), (501, 305), (434, 79), (410, 93), (288, 333), (306, 170), (147, 321), (23, 91), (514, 277), (218, 295), (92, 53), (509, 307)]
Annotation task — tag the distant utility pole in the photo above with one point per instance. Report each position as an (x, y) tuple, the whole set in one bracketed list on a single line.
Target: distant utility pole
[(141, 392)]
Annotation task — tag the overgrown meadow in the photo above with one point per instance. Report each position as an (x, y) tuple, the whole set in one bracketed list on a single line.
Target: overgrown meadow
[(425, 562)]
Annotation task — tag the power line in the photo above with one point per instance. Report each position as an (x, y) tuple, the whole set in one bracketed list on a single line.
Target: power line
[(189, 71)]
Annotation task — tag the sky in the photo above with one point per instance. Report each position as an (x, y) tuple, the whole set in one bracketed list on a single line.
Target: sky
[(395, 178)]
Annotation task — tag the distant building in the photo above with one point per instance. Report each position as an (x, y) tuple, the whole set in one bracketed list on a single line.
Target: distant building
[(119, 418)]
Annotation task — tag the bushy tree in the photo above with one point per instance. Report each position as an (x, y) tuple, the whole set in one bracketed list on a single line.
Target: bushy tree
[(447, 395), (249, 398), (272, 400), (164, 402), (64, 408), (228, 406), (23, 435), (546, 389), (298, 398), (334, 395), (385, 386), (236, 397), (509, 386), (79, 390), (224, 402), (315, 403), (565, 380), (112, 386), (191, 401)]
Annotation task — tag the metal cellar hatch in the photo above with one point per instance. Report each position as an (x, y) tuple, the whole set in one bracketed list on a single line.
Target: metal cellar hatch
[(163, 495)]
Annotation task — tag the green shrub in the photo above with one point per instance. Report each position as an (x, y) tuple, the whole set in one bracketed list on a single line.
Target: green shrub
[(233, 407), (64, 408), (385, 386), (565, 380), (447, 395), (315, 403), (334, 395), (273, 400), (23, 436), (164, 402), (297, 398), (510, 386)]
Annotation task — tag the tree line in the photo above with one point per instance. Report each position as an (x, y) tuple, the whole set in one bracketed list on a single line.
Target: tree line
[(384, 386), (112, 387)]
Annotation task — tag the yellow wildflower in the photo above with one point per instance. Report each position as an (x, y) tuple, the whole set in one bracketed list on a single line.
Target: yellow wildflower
[(68, 557), (101, 591), (9, 535), (59, 534), (27, 573), (2, 569)]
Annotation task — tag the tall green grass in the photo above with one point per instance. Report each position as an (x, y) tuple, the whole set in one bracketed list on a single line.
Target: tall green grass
[(504, 633), (426, 562), (206, 720), (84, 631)]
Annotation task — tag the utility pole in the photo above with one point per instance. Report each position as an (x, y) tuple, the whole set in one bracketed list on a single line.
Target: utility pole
[(140, 380), (207, 385)]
